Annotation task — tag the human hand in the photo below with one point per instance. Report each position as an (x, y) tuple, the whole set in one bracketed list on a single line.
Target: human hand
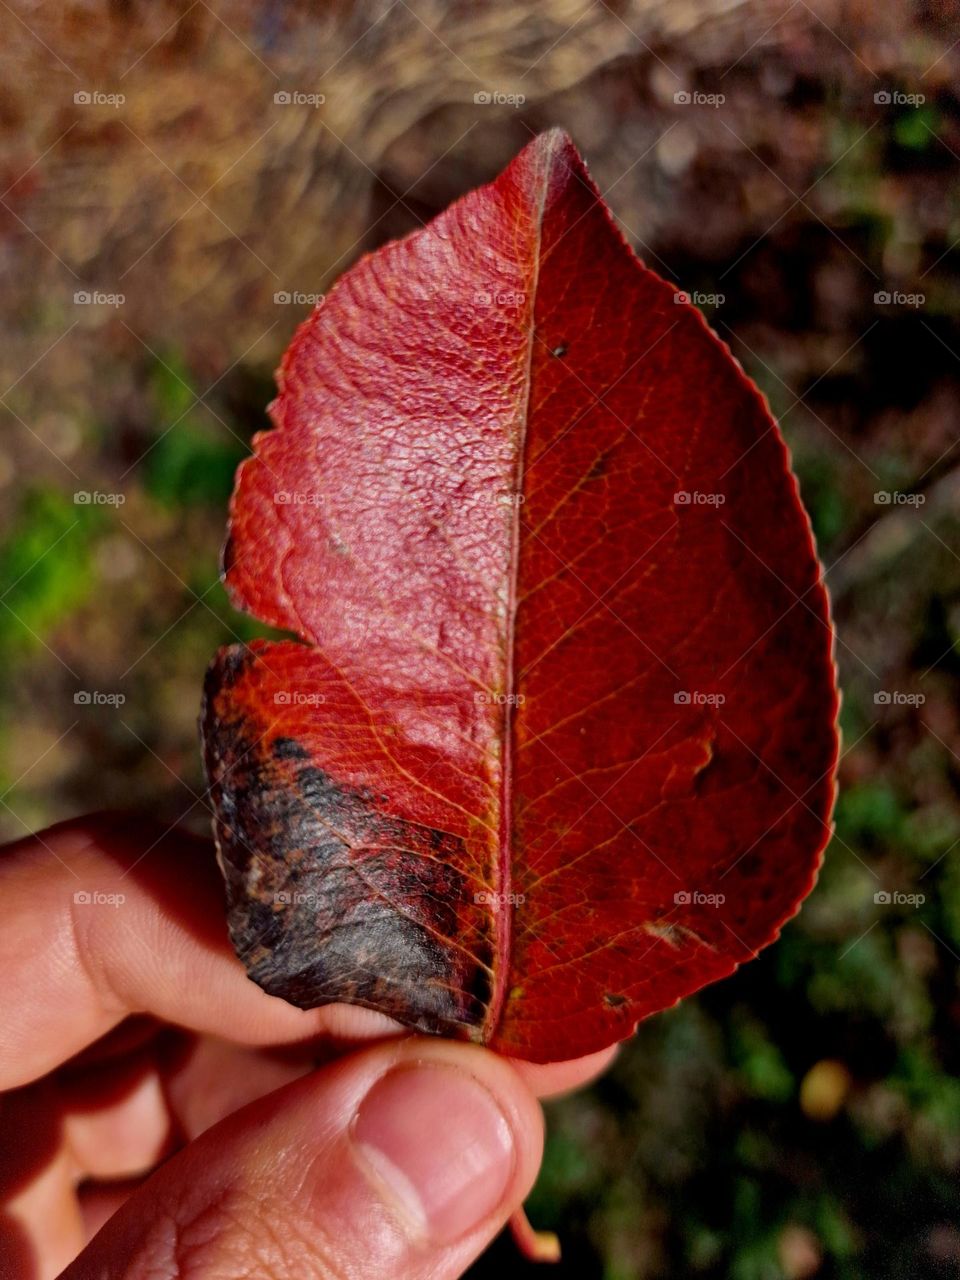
[(213, 1131)]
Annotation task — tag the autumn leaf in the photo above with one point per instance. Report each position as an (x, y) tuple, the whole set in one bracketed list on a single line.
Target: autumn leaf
[(555, 745)]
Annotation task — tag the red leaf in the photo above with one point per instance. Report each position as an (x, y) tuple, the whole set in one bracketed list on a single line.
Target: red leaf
[(559, 748)]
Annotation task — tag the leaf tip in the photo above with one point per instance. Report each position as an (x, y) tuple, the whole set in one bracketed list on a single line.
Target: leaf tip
[(554, 154)]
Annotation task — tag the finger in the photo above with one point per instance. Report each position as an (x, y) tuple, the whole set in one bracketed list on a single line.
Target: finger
[(57, 1132), (138, 1107), (104, 917), (218, 1078), (553, 1079), (88, 1132), (124, 1137), (121, 1112), (125, 1120), (402, 1160), (36, 1180), (111, 1099)]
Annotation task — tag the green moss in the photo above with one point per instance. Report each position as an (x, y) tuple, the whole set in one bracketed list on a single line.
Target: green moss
[(188, 466), (760, 1065), (915, 128), (191, 461), (870, 813), (172, 386), (832, 1227), (47, 563), (820, 489)]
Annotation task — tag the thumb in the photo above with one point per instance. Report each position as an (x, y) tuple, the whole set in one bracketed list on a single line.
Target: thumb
[(403, 1160)]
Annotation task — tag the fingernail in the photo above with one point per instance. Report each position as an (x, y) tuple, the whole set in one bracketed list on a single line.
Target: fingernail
[(439, 1142)]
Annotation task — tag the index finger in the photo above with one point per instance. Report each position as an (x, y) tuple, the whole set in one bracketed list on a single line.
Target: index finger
[(111, 915)]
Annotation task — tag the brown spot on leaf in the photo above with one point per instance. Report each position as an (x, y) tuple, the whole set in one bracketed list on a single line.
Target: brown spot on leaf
[(329, 897)]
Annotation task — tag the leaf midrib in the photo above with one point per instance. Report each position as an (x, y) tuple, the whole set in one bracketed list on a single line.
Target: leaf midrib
[(503, 908)]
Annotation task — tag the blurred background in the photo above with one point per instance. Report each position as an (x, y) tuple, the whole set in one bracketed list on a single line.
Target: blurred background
[(181, 179)]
